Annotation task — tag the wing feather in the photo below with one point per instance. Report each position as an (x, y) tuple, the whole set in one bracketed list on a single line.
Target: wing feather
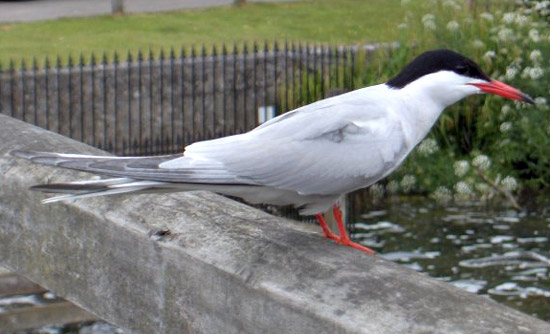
[(336, 148)]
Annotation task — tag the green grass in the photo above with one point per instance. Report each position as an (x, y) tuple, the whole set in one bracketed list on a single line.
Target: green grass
[(336, 21)]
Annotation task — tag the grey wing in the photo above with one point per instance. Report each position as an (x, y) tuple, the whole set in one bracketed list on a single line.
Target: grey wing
[(333, 150)]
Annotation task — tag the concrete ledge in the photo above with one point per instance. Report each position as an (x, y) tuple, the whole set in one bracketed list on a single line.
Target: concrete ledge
[(224, 268)]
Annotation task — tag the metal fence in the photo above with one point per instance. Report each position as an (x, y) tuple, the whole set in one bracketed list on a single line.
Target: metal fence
[(157, 104)]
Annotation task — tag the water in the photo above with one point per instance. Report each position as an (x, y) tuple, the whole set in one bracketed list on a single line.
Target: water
[(499, 253)]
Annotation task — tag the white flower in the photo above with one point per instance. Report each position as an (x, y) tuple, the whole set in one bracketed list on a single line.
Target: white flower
[(405, 2), (461, 168), (534, 35), (532, 72), (451, 4), (505, 127), (524, 120), (482, 162), (442, 194), (509, 183), (428, 17), (521, 20), (489, 55), (408, 182), (536, 73), (478, 44), (482, 188), (428, 146), (541, 103), (402, 26), (511, 73), (392, 187), (453, 26), (430, 25), (506, 35), (487, 16), (505, 109), (429, 21), (542, 5), (535, 56), (508, 17), (463, 188)]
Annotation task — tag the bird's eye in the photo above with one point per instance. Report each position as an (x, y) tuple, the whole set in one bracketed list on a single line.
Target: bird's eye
[(461, 69)]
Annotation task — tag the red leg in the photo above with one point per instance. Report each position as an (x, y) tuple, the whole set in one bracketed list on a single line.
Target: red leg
[(344, 239), (341, 227), (326, 230)]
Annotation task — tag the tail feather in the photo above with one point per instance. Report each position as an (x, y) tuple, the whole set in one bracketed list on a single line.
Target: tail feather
[(93, 193), (102, 187), (76, 187), (138, 175), (140, 168)]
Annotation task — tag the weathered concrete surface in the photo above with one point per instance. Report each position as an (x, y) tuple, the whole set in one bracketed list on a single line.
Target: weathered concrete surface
[(225, 267)]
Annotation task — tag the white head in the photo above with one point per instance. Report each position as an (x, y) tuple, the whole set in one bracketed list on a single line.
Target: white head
[(446, 77)]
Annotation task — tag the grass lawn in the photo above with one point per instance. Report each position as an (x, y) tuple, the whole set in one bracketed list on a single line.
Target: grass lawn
[(323, 21)]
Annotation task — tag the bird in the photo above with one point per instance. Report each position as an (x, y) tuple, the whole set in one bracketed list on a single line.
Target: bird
[(308, 157)]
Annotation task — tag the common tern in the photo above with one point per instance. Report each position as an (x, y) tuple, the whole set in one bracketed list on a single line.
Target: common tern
[(308, 157)]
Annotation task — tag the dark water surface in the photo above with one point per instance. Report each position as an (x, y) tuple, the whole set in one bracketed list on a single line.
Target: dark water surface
[(495, 252)]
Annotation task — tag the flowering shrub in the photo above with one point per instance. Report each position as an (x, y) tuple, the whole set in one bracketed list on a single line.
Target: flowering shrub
[(485, 146)]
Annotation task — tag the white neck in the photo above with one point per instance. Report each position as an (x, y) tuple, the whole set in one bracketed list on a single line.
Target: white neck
[(427, 97)]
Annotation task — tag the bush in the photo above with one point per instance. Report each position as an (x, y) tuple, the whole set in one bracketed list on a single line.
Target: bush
[(511, 43)]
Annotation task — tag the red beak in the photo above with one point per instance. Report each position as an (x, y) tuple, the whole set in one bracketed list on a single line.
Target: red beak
[(498, 88)]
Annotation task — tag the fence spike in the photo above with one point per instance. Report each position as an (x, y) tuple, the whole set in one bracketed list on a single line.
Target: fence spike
[(139, 56), (129, 59), (104, 59), (161, 55), (214, 51), (115, 58), (150, 55), (172, 53)]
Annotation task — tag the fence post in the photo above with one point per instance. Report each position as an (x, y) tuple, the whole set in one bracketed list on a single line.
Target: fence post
[(117, 6)]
